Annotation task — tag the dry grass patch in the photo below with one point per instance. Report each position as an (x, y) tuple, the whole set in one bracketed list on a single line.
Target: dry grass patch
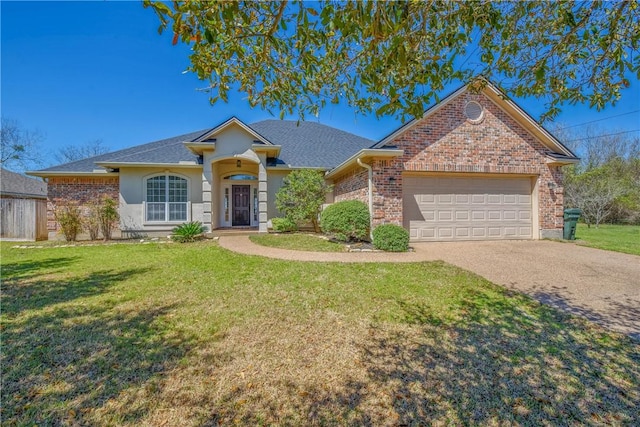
[(194, 335)]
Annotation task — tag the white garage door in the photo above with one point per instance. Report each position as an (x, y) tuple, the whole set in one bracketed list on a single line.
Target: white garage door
[(464, 208)]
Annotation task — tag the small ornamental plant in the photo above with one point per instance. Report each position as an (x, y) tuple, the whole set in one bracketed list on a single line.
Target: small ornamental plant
[(188, 232), (391, 238)]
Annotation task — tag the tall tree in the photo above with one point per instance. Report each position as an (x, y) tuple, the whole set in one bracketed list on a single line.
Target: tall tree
[(71, 153), (20, 148), (394, 57)]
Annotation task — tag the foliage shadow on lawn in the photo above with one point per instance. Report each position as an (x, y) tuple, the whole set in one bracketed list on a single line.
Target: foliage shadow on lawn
[(19, 296), (66, 364), (504, 364), (25, 270)]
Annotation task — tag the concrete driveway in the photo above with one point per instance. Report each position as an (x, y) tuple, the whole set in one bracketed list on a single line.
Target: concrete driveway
[(600, 285)]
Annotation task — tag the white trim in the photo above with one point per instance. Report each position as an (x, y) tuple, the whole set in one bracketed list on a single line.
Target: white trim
[(233, 120), (228, 184), (190, 165)]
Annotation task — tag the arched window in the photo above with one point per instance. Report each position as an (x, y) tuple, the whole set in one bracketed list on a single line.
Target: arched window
[(167, 198)]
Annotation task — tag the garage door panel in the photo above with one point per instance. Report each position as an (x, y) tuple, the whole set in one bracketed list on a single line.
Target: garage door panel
[(444, 216), (463, 232), (453, 208), (462, 215), (509, 215), (494, 215)]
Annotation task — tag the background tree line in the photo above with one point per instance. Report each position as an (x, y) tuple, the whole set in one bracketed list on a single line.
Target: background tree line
[(606, 182), (23, 149)]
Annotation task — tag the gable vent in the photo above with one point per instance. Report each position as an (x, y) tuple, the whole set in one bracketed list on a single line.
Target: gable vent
[(473, 111)]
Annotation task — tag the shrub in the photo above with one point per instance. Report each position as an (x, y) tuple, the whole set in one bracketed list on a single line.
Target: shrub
[(301, 196), (346, 221), (92, 221), (70, 220), (391, 238), (188, 232), (108, 217), (283, 225)]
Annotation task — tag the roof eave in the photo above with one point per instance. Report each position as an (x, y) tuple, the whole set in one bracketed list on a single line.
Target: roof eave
[(269, 149), (562, 162), (521, 116), (198, 148), (238, 122), (117, 165), (364, 155), (47, 174), (23, 195)]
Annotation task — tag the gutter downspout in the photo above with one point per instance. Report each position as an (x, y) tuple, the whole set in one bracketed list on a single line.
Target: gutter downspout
[(370, 170)]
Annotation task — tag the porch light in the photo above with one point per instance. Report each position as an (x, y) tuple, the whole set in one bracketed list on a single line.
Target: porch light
[(238, 163)]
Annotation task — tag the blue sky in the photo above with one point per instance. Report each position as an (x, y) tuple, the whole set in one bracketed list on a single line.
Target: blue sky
[(80, 71)]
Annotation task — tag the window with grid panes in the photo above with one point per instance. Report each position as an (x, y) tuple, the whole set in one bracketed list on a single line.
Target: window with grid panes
[(166, 198)]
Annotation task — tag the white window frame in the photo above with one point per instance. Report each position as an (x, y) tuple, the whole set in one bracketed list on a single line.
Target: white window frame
[(167, 203)]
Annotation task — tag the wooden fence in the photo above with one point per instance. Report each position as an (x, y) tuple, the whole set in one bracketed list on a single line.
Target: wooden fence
[(24, 219)]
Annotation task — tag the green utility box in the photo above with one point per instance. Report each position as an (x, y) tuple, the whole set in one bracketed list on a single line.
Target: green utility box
[(571, 217)]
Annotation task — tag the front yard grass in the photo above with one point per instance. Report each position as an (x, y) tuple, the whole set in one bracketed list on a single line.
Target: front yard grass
[(618, 238), (297, 242), (171, 334)]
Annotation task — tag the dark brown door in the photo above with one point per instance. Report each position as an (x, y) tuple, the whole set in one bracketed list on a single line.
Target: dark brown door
[(240, 196)]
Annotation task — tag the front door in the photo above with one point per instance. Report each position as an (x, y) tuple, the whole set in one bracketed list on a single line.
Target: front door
[(241, 205)]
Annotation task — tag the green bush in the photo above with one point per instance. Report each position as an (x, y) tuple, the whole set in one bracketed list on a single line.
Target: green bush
[(70, 220), (301, 196), (346, 221), (283, 225), (188, 232), (108, 216), (391, 238), (92, 220)]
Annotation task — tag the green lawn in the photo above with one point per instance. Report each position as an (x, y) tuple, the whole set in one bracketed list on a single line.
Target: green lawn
[(619, 238), (171, 334), (298, 242)]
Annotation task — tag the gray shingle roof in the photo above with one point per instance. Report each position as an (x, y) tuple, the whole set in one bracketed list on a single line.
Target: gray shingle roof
[(14, 184), (306, 144), (170, 150)]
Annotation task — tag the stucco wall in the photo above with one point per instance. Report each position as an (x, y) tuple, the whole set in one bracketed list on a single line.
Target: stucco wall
[(275, 179), (133, 193)]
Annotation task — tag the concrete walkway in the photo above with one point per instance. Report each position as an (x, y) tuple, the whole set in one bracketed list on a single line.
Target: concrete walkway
[(602, 286)]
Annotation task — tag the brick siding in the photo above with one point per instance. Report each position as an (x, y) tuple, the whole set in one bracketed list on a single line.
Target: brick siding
[(81, 190), (352, 186), (448, 142)]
